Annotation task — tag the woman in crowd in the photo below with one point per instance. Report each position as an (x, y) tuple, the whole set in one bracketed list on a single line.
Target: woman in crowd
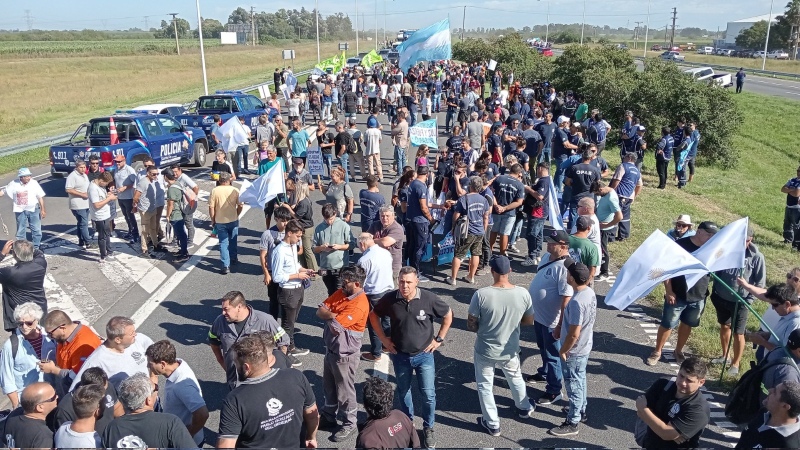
[(339, 193)]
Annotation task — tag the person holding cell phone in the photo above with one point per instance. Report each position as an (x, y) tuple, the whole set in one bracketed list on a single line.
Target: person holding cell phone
[(333, 238)]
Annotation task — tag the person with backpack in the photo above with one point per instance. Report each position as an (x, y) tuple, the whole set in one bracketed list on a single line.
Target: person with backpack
[(779, 426), (358, 154), (175, 207), (673, 414), (470, 222)]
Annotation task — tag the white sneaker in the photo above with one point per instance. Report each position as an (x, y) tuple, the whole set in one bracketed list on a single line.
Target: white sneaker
[(450, 281), (513, 248), (721, 360), (733, 371), (529, 261)]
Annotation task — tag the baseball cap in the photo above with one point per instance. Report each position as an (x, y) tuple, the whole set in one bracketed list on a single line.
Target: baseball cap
[(579, 272), (500, 264), (583, 223), (24, 172), (558, 237), (708, 226), (793, 341), (576, 124), (529, 122), (684, 219), (297, 160), (562, 119), (641, 128)]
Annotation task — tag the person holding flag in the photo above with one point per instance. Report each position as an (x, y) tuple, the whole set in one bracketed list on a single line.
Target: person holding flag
[(729, 314), (682, 303)]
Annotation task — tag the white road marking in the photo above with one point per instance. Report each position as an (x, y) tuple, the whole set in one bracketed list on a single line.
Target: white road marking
[(726, 424), (83, 301), (57, 298), (717, 414)]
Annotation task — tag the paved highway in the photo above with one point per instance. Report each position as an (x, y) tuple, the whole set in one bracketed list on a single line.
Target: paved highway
[(179, 302)]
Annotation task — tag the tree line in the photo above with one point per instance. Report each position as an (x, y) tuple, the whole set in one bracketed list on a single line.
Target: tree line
[(780, 37)]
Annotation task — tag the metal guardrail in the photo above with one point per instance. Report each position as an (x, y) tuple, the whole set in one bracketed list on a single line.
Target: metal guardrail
[(47, 141), (734, 69)]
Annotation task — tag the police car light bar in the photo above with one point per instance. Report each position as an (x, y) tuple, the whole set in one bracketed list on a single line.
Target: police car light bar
[(229, 92)]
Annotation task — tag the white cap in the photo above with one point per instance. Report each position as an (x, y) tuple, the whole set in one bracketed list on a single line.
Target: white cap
[(684, 219), (576, 124), (562, 119)]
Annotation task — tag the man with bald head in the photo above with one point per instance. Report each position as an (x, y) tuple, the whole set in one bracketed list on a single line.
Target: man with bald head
[(26, 427)]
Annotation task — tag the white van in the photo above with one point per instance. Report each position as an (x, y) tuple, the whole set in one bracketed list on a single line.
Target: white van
[(705, 51)]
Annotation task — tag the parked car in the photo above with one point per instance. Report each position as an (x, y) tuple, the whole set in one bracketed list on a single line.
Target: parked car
[(705, 51), (706, 74), (353, 62), (171, 109), (655, 48), (545, 51), (777, 54), (674, 48), (724, 52), (622, 46), (758, 55), (672, 56)]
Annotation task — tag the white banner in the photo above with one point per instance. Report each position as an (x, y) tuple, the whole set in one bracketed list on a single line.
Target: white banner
[(314, 161)]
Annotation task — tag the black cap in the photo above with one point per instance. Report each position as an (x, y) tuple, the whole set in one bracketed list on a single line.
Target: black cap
[(297, 160), (579, 272), (558, 237), (500, 264), (583, 223), (708, 226), (793, 341)]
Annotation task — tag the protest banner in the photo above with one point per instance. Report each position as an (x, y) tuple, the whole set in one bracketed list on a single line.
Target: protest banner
[(314, 161), (425, 132)]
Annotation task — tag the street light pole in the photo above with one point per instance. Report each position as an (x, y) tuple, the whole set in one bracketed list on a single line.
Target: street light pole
[(384, 20), (584, 20), (766, 42), (356, 26), (202, 51), (175, 27), (316, 13), (647, 30), (376, 25)]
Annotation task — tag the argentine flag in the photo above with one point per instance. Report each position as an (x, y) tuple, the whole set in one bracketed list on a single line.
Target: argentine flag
[(428, 44)]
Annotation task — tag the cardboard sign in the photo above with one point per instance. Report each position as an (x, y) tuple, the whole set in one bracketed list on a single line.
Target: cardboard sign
[(314, 161)]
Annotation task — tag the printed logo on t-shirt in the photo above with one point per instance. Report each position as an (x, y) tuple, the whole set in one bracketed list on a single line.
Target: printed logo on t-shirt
[(10, 441), (21, 198), (138, 357), (109, 401), (131, 442), (274, 407), (394, 429), (676, 408), (421, 315)]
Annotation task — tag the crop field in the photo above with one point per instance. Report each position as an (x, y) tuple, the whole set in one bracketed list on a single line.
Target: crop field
[(109, 47)]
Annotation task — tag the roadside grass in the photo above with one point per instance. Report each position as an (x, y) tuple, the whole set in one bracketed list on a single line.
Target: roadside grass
[(766, 141), (30, 158), (786, 66), (50, 96)]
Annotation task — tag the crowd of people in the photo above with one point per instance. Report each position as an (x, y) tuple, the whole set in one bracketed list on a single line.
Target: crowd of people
[(489, 186)]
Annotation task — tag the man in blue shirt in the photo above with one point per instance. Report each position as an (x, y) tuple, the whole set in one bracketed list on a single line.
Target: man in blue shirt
[(562, 149), (509, 193), (690, 160), (740, 76), (546, 130), (663, 155), (533, 144), (627, 182), (418, 220)]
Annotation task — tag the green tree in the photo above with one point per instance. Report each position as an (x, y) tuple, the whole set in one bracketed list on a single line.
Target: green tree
[(211, 29), (781, 30), (239, 15), (754, 37), (167, 30), (566, 37)]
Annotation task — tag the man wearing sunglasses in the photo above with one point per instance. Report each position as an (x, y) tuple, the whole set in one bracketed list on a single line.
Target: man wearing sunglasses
[(74, 343), (26, 427), (125, 181)]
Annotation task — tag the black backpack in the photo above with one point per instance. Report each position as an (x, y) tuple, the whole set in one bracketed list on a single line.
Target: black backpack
[(744, 401)]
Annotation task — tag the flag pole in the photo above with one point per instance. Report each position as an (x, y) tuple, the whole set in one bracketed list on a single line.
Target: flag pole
[(758, 316)]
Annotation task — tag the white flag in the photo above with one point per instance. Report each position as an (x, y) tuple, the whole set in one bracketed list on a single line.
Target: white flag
[(554, 213), (264, 188), (232, 134), (725, 250), (659, 258)]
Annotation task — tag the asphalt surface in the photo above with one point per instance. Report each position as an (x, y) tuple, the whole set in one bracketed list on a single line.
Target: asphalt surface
[(180, 301)]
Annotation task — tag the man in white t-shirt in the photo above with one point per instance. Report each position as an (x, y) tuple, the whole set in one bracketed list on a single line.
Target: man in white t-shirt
[(182, 395), (28, 199), (121, 355), (77, 188), (372, 153)]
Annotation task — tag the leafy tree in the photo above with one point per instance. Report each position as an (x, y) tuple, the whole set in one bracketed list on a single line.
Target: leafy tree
[(566, 37), (754, 37), (782, 28), (168, 31), (239, 15), (692, 32), (211, 29)]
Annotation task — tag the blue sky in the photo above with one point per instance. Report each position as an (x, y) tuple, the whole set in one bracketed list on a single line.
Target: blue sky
[(102, 14)]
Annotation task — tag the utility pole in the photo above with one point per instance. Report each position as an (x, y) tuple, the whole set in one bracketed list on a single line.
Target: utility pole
[(175, 27), (29, 19), (646, 30), (253, 24), (766, 41), (672, 35), (583, 25), (316, 17), (146, 26), (356, 26), (636, 33), (202, 51), (794, 38), (463, 22)]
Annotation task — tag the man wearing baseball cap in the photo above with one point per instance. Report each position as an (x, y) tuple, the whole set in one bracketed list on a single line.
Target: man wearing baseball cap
[(683, 304), (495, 315), (550, 293), (576, 344), (683, 228), (28, 200)]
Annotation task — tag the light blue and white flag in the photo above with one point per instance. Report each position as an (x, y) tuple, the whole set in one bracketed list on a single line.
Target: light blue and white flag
[(425, 132), (264, 188), (658, 258), (725, 250), (428, 44), (554, 213)]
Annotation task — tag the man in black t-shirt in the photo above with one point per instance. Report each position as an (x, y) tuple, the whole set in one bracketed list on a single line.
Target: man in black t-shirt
[(676, 413), (779, 427), (580, 178), (270, 407), (681, 303), (411, 342), (113, 408), (142, 427), (25, 427)]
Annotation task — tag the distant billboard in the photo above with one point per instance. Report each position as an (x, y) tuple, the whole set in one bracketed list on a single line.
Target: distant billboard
[(228, 37)]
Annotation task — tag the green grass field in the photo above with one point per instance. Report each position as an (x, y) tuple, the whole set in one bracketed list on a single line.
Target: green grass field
[(109, 47), (768, 160)]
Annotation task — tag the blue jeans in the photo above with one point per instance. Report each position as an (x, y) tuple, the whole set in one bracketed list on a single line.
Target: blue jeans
[(551, 361), (391, 112), (574, 371), (30, 219), (417, 234), (326, 110), (179, 229), (327, 158), (227, 233), (535, 236), (242, 152), (343, 160), (375, 344), (516, 231), (405, 366), (448, 120), (573, 215), (545, 156), (558, 180), (399, 158), (82, 230)]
